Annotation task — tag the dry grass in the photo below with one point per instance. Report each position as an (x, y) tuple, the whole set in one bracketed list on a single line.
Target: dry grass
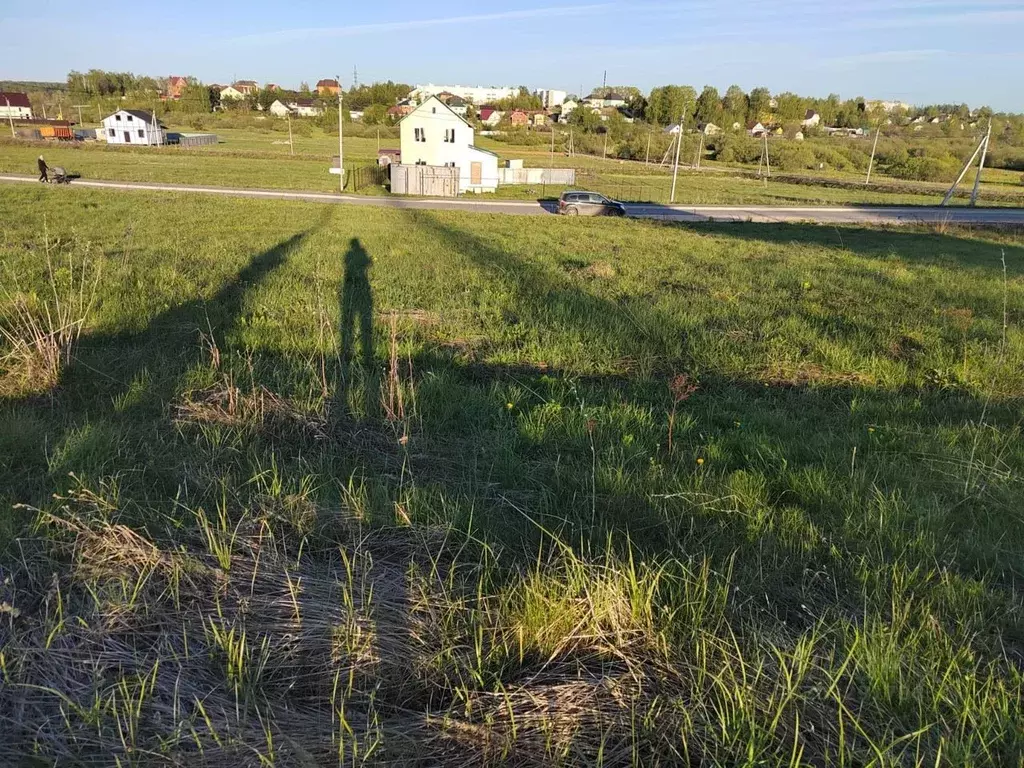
[(40, 331), (233, 649)]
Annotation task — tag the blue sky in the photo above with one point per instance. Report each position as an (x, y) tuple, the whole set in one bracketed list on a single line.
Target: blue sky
[(920, 51)]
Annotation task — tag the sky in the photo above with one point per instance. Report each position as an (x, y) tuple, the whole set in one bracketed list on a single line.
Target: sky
[(918, 51)]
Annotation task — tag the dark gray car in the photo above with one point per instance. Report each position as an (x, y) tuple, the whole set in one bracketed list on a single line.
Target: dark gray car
[(589, 204)]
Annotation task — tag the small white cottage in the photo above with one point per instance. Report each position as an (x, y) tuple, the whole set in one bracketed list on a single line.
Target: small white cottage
[(433, 135), (133, 126)]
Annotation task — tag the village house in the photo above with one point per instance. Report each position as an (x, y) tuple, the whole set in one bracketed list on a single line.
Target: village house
[(538, 119), (231, 93), (520, 118), (455, 103), (246, 87), (272, 87), (608, 100), (811, 119), (176, 86), (433, 135), (328, 87), (279, 109), (15, 105), (490, 116), (134, 126), (756, 129), (306, 108), (708, 129)]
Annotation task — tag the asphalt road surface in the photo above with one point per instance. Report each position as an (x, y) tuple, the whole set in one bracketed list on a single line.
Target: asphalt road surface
[(755, 213)]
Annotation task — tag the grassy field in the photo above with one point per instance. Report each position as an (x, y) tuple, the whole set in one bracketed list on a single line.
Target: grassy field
[(287, 484), (253, 158)]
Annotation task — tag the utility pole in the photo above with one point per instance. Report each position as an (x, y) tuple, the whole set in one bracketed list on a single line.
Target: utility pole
[(981, 165), (378, 139), (871, 162), (767, 156), (291, 141), (700, 151), (10, 117), (679, 146), (604, 152), (79, 108), (552, 146), (963, 171), (647, 157), (341, 141), (43, 102)]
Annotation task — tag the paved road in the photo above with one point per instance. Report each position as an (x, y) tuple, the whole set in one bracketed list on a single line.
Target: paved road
[(758, 213)]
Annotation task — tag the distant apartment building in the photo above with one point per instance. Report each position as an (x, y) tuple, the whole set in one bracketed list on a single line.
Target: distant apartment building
[(477, 94), (551, 99)]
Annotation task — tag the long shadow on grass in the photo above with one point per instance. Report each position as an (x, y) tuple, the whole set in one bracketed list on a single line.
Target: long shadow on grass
[(121, 382), (803, 479), (902, 242)]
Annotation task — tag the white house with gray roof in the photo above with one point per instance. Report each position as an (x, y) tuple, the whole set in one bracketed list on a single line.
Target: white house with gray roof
[(433, 135), (133, 126)]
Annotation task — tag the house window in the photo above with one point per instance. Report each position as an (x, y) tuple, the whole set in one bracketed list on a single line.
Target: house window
[(111, 132), (118, 118), (129, 118), (449, 135), (141, 132), (421, 134)]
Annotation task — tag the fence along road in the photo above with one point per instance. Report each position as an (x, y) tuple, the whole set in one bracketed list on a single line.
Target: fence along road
[(755, 213)]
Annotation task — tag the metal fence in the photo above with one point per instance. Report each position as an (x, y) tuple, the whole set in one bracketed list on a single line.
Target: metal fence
[(565, 176), (366, 176)]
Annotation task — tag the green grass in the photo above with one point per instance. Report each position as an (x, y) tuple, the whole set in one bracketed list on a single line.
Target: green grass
[(370, 486)]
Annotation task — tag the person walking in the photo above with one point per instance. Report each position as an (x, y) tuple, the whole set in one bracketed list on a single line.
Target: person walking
[(42, 170)]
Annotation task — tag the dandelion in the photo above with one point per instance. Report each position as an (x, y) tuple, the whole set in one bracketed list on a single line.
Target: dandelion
[(700, 462), (510, 406), (871, 429)]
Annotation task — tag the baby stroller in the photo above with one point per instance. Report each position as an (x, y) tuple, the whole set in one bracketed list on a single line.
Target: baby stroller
[(58, 175)]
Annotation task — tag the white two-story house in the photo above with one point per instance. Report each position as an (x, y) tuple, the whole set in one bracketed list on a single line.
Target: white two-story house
[(433, 135), (133, 126)]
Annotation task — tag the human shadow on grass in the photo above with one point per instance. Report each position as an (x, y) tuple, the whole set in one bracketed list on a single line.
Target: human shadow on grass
[(355, 300)]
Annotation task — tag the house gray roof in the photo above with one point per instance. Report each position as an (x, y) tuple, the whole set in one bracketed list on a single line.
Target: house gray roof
[(434, 98)]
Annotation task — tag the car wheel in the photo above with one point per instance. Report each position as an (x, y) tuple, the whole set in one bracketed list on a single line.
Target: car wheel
[(572, 210)]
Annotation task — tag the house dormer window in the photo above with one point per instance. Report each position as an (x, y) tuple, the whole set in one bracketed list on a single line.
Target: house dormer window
[(129, 118)]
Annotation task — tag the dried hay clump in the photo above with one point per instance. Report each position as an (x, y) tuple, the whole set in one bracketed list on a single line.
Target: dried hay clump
[(229, 650)]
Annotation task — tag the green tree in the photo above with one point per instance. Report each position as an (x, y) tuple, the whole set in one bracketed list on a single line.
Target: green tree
[(791, 108), (709, 106), (584, 119), (735, 104), (668, 102), (759, 106), (375, 114)]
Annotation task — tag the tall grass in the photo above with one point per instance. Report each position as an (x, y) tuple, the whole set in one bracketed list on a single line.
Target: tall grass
[(40, 328)]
